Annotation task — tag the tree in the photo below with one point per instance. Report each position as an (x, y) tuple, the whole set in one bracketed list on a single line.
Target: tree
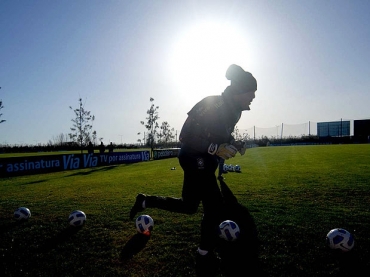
[(151, 125), (1, 106), (139, 140), (82, 132), (238, 136), (59, 140), (166, 133)]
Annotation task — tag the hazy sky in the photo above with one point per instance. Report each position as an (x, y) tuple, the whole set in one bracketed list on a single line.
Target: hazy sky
[(311, 60)]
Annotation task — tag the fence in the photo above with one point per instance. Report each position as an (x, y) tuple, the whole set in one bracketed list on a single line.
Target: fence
[(284, 130)]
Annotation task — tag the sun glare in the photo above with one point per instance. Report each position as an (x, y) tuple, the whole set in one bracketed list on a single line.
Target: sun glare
[(202, 54)]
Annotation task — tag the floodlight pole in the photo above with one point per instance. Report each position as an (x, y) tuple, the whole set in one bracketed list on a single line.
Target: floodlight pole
[(281, 136)]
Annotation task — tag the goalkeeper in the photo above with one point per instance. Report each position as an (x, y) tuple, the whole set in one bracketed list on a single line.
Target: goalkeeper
[(205, 137)]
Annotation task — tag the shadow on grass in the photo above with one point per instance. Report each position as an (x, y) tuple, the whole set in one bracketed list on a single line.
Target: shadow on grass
[(34, 182), (349, 264), (243, 254), (60, 238), (93, 170), (134, 246), (5, 227)]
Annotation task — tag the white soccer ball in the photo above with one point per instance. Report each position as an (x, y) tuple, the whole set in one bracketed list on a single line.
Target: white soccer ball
[(339, 238), (229, 230), (237, 168), (144, 223), (22, 213), (231, 167), (77, 218)]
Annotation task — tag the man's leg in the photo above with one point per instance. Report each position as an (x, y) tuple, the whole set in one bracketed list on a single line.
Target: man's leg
[(191, 197), (207, 263), (177, 205)]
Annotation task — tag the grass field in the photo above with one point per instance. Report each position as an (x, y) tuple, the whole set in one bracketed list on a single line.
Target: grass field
[(295, 194)]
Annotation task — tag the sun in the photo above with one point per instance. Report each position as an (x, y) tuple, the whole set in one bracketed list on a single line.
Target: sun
[(202, 54)]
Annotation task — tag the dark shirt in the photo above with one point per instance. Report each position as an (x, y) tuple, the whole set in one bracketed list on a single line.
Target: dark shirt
[(212, 120), (101, 148), (110, 148)]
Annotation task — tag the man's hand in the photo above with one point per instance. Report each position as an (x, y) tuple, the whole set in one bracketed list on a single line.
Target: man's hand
[(226, 151), (241, 146)]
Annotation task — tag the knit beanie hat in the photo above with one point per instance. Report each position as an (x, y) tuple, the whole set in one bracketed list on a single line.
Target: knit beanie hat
[(242, 79)]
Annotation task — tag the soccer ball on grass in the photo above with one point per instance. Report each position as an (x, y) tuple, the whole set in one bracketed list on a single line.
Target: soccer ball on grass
[(341, 239), (229, 230), (22, 213), (77, 218), (144, 224)]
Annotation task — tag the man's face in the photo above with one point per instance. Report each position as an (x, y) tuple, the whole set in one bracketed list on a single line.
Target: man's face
[(245, 99)]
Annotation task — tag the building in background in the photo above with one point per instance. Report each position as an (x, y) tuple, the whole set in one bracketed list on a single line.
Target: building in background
[(334, 129), (362, 130)]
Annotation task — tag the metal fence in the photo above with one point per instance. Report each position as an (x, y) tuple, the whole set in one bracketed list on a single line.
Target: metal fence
[(284, 130)]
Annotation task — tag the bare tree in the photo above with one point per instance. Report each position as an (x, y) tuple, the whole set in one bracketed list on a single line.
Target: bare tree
[(152, 124), (1, 106), (60, 140), (139, 140), (166, 133), (82, 132), (236, 133), (238, 136)]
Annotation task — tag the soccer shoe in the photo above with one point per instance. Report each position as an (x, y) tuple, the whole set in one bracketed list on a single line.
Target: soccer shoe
[(206, 265), (138, 206)]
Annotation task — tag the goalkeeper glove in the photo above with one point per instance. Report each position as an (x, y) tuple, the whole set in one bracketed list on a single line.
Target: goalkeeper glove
[(241, 146), (225, 150)]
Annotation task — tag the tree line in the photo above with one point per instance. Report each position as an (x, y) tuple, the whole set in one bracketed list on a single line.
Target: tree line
[(156, 136), (82, 133)]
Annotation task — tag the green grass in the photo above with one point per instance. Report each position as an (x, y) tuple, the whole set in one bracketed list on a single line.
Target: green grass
[(295, 194)]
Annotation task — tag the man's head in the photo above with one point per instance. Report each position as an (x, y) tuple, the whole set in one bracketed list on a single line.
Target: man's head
[(243, 86)]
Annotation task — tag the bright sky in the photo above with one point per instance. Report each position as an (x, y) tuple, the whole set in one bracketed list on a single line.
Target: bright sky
[(311, 60)]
